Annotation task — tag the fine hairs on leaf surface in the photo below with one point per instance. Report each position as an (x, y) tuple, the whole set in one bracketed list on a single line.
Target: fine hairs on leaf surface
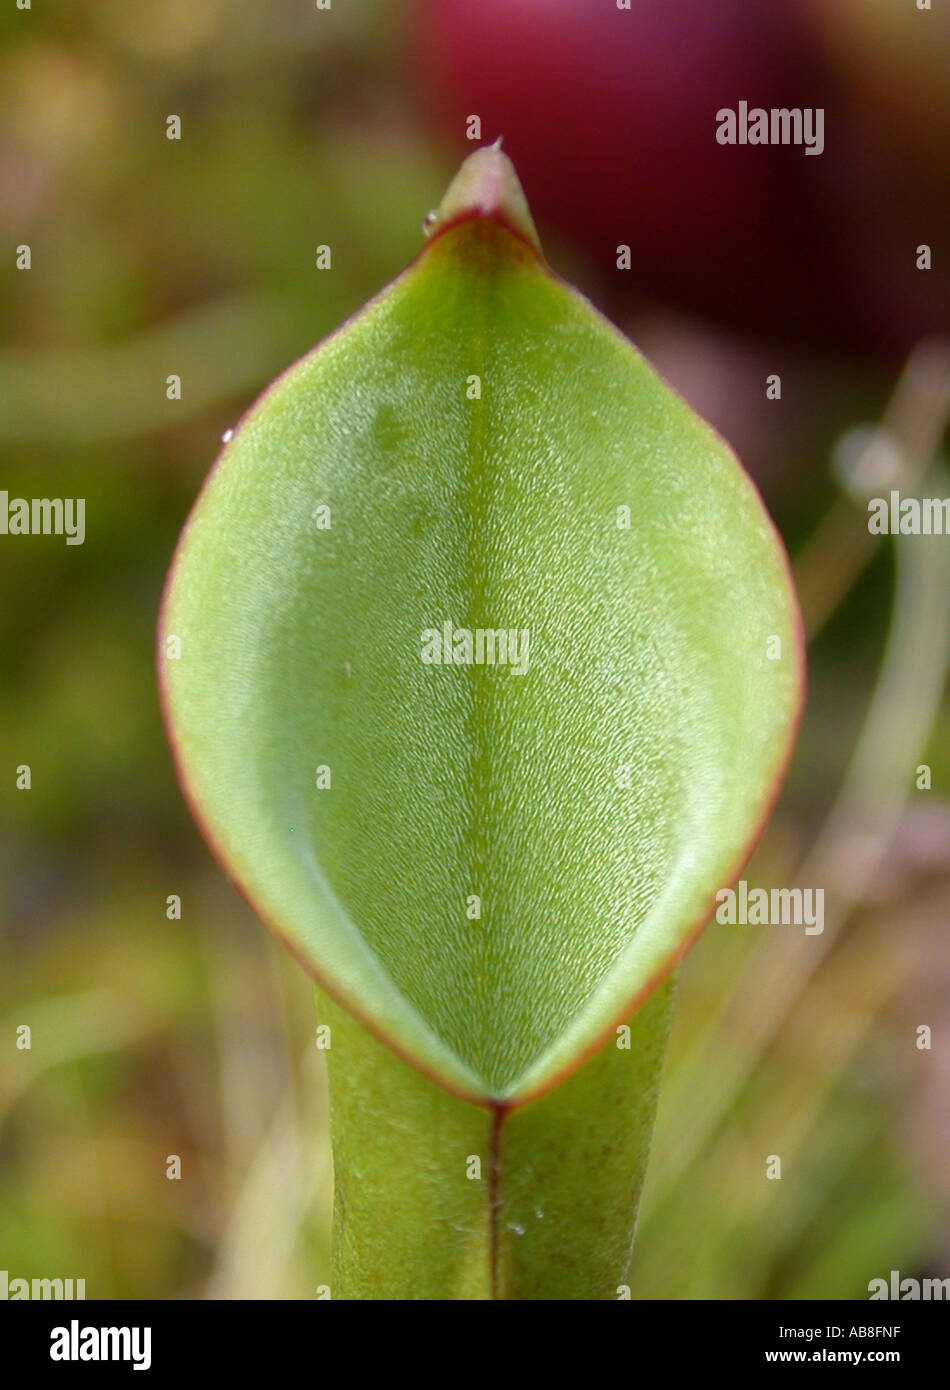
[(481, 663)]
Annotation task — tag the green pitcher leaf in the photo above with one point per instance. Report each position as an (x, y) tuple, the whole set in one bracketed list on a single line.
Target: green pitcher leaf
[(482, 663)]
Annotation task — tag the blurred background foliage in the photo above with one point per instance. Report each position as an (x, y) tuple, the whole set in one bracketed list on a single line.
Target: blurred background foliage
[(301, 127)]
